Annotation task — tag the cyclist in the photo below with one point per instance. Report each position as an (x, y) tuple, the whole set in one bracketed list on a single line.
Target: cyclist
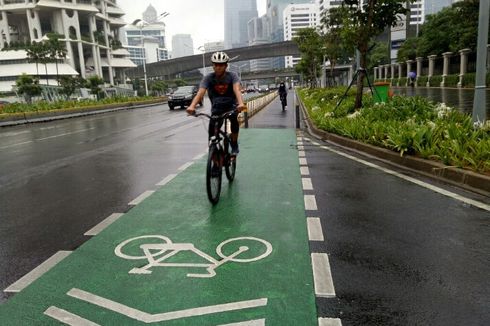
[(224, 91), (283, 92)]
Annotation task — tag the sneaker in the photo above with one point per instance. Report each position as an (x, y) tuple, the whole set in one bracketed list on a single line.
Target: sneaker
[(234, 149)]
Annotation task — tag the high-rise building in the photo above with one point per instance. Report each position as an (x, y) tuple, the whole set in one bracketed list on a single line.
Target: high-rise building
[(237, 15), (434, 6), (274, 12), (182, 45), (88, 29), (147, 41), (296, 17), (259, 33)]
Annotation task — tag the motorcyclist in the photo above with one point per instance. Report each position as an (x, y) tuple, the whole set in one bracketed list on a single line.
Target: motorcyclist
[(283, 92)]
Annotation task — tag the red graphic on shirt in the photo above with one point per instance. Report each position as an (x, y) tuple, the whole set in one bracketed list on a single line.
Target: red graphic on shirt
[(221, 88)]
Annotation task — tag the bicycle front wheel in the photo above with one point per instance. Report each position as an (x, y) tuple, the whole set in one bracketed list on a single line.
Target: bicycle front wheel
[(213, 174), (230, 165)]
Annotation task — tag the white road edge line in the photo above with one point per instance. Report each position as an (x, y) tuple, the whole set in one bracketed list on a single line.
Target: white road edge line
[(303, 161), (315, 232), (141, 197), (301, 153), (322, 276), (329, 322), (102, 225), (310, 203), (413, 180), (166, 180), (185, 166), (37, 272), (67, 317), (198, 157)]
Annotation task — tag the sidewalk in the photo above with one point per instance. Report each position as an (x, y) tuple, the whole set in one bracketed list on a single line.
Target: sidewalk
[(109, 281)]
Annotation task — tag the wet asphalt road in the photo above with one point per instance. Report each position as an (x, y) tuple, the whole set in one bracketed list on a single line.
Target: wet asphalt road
[(400, 254)]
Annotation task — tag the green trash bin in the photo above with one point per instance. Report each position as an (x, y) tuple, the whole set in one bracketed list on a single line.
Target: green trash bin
[(381, 92)]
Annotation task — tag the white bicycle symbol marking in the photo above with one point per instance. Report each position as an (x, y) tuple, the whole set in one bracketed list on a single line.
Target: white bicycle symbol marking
[(169, 249)]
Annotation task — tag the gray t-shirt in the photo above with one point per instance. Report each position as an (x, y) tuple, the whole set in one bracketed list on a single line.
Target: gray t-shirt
[(220, 90)]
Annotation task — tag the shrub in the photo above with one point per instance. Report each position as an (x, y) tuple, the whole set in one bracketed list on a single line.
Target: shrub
[(408, 125)]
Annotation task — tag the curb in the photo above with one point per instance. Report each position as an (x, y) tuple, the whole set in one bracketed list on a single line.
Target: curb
[(465, 179)]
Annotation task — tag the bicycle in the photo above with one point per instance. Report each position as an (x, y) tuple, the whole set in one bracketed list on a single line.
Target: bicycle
[(219, 156), (284, 103)]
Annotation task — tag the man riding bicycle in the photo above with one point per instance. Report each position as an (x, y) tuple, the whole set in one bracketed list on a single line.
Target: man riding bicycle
[(224, 91)]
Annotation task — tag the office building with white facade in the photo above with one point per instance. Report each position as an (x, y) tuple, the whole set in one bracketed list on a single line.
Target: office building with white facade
[(147, 42), (88, 28), (296, 17)]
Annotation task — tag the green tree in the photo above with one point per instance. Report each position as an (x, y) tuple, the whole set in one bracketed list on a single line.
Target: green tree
[(333, 47), (69, 84), (451, 29), (310, 44), (94, 83), (35, 53), (159, 87), (56, 50), (28, 87), (408, 50), (380, 54), (362, 23)]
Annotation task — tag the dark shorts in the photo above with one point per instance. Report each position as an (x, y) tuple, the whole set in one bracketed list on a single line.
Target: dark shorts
[(235, 127)]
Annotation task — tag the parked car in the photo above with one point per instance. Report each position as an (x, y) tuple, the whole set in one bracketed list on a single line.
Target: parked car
[(182, 97)]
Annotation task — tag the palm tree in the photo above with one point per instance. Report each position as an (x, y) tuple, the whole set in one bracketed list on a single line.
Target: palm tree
[(35, 53), (56, 50)]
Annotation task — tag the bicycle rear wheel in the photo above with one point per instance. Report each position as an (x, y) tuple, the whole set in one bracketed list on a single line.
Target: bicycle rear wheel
[(230, 164), (213, 174)]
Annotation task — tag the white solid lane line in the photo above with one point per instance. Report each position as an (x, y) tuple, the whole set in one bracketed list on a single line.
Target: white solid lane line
[(37, 272), (141, 197), (102, 225)]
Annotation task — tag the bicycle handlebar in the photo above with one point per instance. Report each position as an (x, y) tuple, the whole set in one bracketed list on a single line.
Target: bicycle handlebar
[(221, 116)]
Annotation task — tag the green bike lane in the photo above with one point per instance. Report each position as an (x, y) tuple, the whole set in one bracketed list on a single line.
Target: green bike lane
[(176, 260)]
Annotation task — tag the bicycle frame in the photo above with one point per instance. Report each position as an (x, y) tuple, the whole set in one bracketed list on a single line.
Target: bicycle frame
[(219, 156)]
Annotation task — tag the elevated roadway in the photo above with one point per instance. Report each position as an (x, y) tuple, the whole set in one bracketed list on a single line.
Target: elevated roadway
[(169, 68)]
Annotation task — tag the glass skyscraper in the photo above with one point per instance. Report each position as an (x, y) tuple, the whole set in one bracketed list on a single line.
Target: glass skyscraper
[(237, 15)]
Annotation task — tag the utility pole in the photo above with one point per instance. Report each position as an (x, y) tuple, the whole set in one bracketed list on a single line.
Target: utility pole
[(479, 101)]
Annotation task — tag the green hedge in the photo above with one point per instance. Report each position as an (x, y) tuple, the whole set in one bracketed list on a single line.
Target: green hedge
[(408, 125)]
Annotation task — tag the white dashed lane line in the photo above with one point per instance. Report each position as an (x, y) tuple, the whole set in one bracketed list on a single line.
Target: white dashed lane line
[(322, 275)]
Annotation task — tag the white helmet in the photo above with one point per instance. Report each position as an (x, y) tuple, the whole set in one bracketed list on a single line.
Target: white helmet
[(219, 57)]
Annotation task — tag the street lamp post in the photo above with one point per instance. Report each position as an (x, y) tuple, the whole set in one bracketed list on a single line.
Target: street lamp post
[(140, 24), (201, 48)]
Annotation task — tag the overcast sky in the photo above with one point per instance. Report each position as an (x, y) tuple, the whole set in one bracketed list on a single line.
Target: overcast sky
[(203, 19)]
